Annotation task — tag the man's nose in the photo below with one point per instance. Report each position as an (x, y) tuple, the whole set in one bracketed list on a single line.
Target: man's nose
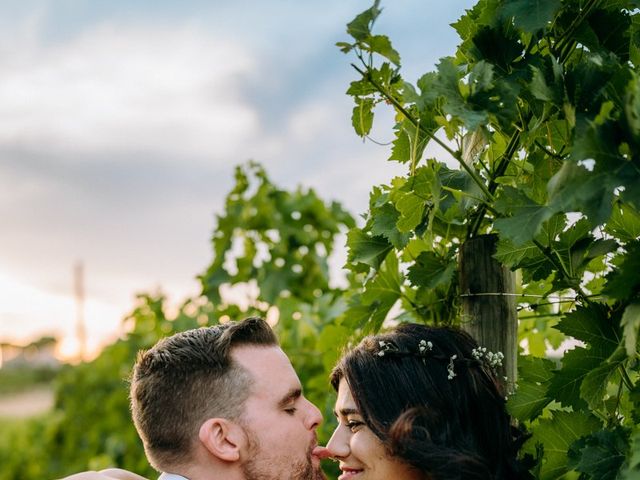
[(314, 416)]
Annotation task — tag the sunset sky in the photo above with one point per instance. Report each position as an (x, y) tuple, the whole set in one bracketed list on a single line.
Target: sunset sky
[(121, 122)]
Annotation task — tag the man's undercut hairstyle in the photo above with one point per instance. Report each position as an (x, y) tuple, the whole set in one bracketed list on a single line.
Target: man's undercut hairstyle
[(188, 378)]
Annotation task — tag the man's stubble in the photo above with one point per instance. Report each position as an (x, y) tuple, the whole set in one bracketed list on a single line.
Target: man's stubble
[(261, 466)]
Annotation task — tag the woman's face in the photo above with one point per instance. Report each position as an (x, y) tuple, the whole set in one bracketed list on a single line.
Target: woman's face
[(360, 452)]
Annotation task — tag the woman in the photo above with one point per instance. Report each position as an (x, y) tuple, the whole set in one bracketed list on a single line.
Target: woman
[(422, 403)]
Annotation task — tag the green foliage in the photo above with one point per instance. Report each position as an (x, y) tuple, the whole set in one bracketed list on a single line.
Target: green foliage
[(537, 115)]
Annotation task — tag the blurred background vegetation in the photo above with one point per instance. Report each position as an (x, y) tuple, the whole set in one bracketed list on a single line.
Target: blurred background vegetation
[(271, 258)]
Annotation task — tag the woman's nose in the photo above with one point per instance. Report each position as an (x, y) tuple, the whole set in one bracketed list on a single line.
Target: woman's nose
[(338, 446)]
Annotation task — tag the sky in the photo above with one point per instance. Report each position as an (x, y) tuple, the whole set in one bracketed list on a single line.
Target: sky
[(121, 123)]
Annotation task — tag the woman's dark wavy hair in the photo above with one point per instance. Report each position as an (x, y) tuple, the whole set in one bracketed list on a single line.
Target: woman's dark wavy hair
[(448, 429)]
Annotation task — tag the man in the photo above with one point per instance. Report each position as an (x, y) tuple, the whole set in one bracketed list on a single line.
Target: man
[(222, 402)]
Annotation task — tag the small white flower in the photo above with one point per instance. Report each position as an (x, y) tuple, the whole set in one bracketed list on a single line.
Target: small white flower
[(424, 346), (450, 367), (381, 353), (495, 359), (381, 343)]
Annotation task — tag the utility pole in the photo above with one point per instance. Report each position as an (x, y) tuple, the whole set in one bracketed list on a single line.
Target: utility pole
[(81, 330)]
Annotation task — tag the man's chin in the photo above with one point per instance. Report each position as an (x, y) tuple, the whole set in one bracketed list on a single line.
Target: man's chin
[(318, 474)]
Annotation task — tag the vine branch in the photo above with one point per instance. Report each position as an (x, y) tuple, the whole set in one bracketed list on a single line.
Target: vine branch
[(456, 155)]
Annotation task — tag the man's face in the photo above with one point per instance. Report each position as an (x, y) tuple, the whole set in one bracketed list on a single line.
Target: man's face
[(280, 423)]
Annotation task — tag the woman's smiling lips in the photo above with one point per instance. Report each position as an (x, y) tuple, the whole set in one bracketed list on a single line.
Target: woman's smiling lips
[(348, 472)]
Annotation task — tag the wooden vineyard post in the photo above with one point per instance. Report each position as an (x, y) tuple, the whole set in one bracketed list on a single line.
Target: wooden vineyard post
[(488, 301)]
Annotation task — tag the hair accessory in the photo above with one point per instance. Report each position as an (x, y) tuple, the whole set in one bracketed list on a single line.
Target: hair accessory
[(424, 346), (385, 347), (493, 359), (479, 356), (450, 367)]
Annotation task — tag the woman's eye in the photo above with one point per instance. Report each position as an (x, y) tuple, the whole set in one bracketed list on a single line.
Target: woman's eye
[(354, 425)]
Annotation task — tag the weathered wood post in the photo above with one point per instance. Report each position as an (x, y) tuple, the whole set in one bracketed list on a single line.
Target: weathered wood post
[(488, 301)]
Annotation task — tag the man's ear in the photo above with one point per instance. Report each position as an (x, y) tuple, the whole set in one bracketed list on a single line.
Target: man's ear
[(222, 438)]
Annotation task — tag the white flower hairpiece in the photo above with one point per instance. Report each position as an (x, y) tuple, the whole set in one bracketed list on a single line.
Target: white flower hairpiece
[(384, 347), (424, 346), (493, 359), (450, 371)]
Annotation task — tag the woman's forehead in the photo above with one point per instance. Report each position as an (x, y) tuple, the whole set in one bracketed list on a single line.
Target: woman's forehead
[(344, 400)]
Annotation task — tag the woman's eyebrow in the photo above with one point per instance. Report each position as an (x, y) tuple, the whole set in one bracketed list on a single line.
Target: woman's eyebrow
[(346, 411)]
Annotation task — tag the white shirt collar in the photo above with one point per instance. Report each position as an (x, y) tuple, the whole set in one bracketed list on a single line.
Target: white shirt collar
[(171, 476)]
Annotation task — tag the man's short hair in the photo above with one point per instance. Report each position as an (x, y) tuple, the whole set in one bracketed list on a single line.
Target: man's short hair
[(187, 378)]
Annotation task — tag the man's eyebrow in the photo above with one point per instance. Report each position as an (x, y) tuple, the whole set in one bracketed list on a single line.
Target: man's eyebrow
[(347, 411), (291, 395)]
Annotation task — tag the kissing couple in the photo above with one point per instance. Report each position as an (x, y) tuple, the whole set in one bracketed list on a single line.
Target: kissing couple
[(413, 403)]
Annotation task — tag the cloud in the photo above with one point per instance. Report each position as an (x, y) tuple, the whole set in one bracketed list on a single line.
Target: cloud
[(150, 89), (119, 129)]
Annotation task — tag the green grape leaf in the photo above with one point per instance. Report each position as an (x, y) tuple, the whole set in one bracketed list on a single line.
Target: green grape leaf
[(539, 87), (411, 208), (383, 223), (497, 44), (382, 45), (624, 223), (531, 15), (357, 313), (624, 282), (344, 47), (448, 86), (401, 151), (556, 435), (362, 87), (523, 217), (431, 271), (632, 470), (511, 255), (362, 117), (594, 385), (528, 401), (576, 365), (383, 291), (601, 454), (574, 188), (630, 324), (531, 396), (593, 326), (366, 249), (585, 371), (360, 27)]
